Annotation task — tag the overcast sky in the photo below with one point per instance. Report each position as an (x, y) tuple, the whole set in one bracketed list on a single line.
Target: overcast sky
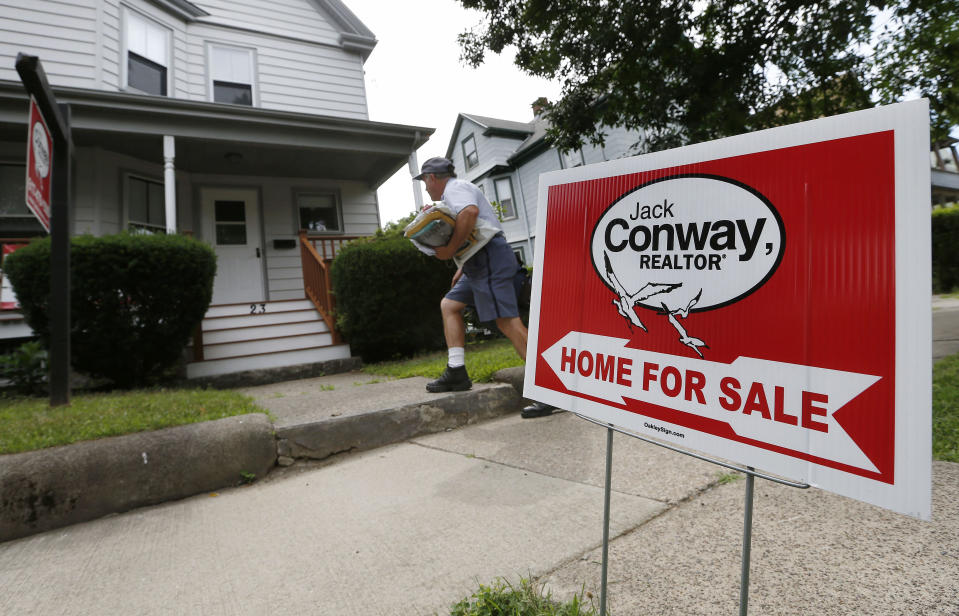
[(414, 76)]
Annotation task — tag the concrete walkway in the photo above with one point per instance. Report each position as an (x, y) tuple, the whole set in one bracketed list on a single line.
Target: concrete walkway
[(412, 527)]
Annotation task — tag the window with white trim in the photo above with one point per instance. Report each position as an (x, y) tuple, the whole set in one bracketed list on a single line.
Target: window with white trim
[(231, 75), (504, 196), (469, 152), (319, 212), (147, 54), (573, 158), (146, 205)]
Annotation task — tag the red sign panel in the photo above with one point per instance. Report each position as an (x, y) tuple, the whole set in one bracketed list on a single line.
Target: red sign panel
[(763, 299), (39, 165)]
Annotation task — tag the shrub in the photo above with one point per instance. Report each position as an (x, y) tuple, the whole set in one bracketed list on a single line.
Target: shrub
[(945, 249), (26, 368), (503, 599), (135, 300), (388, 294)]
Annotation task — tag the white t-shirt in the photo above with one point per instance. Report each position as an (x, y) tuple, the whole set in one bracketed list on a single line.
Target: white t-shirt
[(460, 194)]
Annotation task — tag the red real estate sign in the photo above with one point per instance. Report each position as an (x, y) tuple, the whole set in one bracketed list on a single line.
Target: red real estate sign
[(39, 165), (763, 298)]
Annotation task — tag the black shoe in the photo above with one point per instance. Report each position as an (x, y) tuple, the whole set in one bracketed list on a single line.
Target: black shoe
[(452, 379), (537, 409)]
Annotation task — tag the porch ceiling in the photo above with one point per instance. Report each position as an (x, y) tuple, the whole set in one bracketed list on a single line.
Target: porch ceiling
[(227, 139)]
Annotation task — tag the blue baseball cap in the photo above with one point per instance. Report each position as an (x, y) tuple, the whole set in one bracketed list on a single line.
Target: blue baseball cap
[(437, 164)]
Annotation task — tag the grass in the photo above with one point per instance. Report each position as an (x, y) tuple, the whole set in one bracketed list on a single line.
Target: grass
[(30, 423), (483, 358), (503, 599), (945, 409)]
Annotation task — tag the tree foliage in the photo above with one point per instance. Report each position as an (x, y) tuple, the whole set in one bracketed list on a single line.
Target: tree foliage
[(687, 71)]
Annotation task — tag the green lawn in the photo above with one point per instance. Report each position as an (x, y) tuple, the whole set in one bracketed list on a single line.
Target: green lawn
[(482, 360), (30, 423), (945, 409)]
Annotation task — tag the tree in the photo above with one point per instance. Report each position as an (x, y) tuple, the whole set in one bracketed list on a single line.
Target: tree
[(688, 71), (920, 52)]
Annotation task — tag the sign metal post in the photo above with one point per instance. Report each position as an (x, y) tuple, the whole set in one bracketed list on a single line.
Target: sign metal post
[(57, 117)]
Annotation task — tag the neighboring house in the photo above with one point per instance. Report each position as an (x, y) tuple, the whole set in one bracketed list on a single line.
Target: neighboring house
[(945, 173), (506, 158), (242, 123)]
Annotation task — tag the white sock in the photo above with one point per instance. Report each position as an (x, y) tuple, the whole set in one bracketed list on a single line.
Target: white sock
[(457, 357)]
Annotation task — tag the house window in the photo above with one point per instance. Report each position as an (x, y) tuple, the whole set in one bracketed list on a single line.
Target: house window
[(231, 74), (147, 54), (520, 254), (230, 222), (504, 196), (319, 212), (573, 159), (16, 219), (469, 152), (146, 206)]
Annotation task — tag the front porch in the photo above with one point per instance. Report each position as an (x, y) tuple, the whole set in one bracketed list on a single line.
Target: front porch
[(264, 335)]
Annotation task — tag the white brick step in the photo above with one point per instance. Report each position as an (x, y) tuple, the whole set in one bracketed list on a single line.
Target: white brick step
[(265, 318), (232, 310), (259, 332), (270, 345), (268, 360)]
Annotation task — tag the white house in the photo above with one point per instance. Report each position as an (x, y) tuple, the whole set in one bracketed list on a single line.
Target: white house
[(243, 123), (505, 160)]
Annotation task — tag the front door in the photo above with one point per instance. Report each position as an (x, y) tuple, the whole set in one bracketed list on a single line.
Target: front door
[(231, 224)]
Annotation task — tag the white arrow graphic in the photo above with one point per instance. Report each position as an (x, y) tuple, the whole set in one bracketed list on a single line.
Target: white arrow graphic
[(787, 405)]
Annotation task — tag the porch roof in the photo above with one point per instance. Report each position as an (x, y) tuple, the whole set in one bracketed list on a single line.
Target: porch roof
[(225, 139)]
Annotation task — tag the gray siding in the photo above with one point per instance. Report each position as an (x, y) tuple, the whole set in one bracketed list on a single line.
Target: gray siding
[(529, 173), (490, 150), (290, 75), (61, 34), (289, 18), (298, 64)]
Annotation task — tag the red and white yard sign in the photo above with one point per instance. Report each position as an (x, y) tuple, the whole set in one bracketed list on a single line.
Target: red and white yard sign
[(39, 165), (763, 298)]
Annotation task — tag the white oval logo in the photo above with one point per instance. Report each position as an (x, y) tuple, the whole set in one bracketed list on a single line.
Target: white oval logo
[(686, 243), (41, 153)]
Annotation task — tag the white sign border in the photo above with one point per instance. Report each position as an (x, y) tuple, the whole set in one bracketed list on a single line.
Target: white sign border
[(911, 494)]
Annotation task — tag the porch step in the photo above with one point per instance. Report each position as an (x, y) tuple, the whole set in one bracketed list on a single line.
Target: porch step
[(260, 318), (262, 335), (263, 361), (261, 332), (13, 326), (253, 308)]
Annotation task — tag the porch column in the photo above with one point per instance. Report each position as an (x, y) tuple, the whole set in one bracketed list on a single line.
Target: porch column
[(417, 189), (169, 182)]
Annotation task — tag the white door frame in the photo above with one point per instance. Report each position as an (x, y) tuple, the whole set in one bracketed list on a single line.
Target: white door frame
[(241, 289)]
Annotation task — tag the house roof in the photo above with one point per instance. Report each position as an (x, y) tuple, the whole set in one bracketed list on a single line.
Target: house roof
[(491, 127), (269, 143)]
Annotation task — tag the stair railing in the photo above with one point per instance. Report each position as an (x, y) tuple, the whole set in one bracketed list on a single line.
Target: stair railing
[(317, 254)]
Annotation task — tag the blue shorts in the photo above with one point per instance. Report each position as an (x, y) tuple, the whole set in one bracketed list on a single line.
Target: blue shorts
[(487, 282)]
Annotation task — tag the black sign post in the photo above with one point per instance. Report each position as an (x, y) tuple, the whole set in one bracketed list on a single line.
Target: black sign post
[(57, 118)]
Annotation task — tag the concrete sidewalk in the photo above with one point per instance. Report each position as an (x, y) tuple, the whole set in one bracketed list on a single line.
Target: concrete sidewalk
[(413, 527)]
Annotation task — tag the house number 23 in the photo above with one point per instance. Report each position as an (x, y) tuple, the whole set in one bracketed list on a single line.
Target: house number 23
[(257, 308)]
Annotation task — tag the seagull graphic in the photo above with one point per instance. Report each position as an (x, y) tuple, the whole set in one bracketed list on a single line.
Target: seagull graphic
[(626, 301), (685, 338)]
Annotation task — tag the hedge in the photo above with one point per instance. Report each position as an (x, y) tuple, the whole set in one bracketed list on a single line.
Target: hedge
[(135, 300), (945, 249), (388, 295)]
